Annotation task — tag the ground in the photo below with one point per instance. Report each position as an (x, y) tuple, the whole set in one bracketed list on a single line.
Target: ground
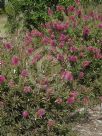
[(92, 127)]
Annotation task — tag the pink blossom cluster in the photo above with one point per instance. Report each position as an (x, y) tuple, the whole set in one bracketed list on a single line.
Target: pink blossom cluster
[(72, 97), (2, 79)]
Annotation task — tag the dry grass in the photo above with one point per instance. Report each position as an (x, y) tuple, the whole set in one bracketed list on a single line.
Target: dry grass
[(97, 8), (3, 21)]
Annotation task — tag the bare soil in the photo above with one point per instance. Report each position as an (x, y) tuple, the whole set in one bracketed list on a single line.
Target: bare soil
[(93, 127)]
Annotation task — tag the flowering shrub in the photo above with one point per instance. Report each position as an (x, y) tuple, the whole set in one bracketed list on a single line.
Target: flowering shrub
[(32, 13), (47, 75)]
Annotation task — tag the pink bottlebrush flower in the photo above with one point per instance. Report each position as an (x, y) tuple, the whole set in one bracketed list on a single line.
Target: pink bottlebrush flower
[(67, 75), (51, 123), (71, 9), (70, 100), (62, 38), (24, 73), (60, 8), (66, 25), (36, 58), (77, 1), (91, 49), (52, 36), (8, 46), (60, 57), (79, 13), (50, 31), (36, 33), (52, 42), (73, 94), (15, 60), (72, 58), (27, 89), (33, 61), (48, 26), (60, 26), (28, 40), (100, 18), (62, 43), (30, 51), (2, 79), (98, 56), (41, 112), (73, 49), (81, 54), (45, 40), (97, 51), (100, 26), (86, 18), (72, 18), (86, 31), (25, 114), (92, 14), (58, 100), (86, 64), (81, 75), (50, 12)]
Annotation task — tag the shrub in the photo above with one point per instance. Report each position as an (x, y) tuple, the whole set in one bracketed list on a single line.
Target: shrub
[(1, 6), (47, 75), (32, 13)]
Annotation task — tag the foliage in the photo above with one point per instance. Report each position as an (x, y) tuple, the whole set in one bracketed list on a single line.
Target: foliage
[(1, 6), (47, 75), (33, 12)]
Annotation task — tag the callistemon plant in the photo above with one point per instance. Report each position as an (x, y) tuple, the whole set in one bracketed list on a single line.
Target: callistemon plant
[(48, 74)]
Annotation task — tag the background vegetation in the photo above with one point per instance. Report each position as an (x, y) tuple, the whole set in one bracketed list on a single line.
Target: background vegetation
[(34, 12)]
